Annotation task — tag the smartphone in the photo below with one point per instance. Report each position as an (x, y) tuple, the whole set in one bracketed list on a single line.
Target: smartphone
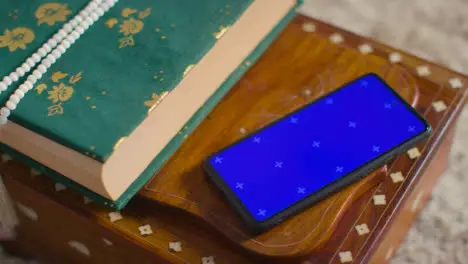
[(300, 159)]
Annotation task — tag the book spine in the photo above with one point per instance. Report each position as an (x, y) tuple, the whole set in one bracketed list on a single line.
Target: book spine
[(174, 144), (200, 115)]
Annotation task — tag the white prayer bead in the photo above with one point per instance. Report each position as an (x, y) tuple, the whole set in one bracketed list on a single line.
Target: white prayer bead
[(94, 17), (5, 112), (73, 23), (62, 33), (105, 7), (52, 42), (37, 74), (93, 5), (61, 48), (36, 58), (51, 58), (47, 63), (84, 13), (11, 105), (80, 30), (14, 98), (89, 20), (3, 120), (68, 28), (20, 72), (23, 88), (66, 44), (99, 11), (75, 34), (84, 25), (41, 68), (25, 67), (7, 80), (71, 39), (28, 84), (19, 93), (89, 9), (3, 86), (57, 37), (47, 47), (42, 52), (14, 77), (32, 79), (56, 54), (78, 19), (30, 62)]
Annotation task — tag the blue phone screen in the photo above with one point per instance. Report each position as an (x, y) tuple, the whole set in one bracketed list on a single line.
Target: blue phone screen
[(294, 157)]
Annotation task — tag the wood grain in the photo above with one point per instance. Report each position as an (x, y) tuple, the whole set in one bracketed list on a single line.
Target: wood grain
[(181, 205), (276, 86)]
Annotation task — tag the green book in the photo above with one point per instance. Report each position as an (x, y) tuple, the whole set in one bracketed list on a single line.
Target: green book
[(117, 104)]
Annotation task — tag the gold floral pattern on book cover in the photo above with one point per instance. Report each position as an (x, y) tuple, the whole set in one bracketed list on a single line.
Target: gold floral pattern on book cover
[(123, 65)]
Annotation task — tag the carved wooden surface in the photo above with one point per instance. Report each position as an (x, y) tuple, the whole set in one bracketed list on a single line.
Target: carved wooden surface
[(180, 205), (297, 69)]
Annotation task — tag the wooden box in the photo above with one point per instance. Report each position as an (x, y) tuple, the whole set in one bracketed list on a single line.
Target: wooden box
[(179, 217)]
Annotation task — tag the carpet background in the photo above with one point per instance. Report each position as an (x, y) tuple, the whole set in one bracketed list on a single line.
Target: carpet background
[(437, 31)]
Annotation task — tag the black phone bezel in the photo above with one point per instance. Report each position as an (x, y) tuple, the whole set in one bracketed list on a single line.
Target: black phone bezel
[(256, 226)]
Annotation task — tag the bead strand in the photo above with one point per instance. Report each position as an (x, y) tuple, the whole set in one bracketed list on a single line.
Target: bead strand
[(79, 24), (43, 51)]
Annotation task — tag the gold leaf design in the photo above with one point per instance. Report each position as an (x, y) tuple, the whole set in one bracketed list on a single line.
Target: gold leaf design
[(144, 13), (57, 76), (188, 69), (61, 93), (51, 13), (16, 38), (126, 41), (131, 26), (75, 78), (56, 109), (117, 144), (155, 100), (111, 22), (126, 12), (222, 31), (40, 88)]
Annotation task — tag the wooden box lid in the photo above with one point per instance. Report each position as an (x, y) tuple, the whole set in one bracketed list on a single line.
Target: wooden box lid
[(298, 68), (309, 59)]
